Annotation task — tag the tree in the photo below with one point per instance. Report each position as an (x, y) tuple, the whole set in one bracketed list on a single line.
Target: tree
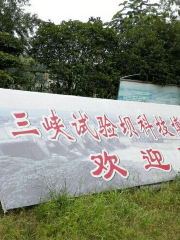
[(10, 48), (80, 57), (133, 12), (35, 75), (15, 28), (15, 21), (149, 42), (171, 7)]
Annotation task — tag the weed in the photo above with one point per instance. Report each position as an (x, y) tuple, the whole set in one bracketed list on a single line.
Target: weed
[(137, 213)]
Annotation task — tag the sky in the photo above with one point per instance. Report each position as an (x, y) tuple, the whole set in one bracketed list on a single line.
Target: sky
[(59, 10)]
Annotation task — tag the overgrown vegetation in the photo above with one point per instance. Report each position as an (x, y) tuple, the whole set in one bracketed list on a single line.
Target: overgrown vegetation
[(88, 59), (138, 213)]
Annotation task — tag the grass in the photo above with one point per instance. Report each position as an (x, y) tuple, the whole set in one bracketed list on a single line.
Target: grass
[(140, 213)]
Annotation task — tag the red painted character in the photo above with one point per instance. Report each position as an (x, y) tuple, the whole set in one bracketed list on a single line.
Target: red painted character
[(155, 160), (107, 166), (54, 123), (81, 126), (106, 127), (175, 124), (162, 128), (23, 124), (127, 126), (145, 126)]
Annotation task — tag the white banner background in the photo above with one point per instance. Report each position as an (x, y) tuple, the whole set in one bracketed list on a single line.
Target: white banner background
[(33, 165)]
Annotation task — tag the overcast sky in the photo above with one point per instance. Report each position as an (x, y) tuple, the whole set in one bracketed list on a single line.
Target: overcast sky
[(59, 10)]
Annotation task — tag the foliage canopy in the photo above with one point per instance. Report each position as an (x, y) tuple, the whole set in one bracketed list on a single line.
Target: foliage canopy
[(88, 59), (80, 57)]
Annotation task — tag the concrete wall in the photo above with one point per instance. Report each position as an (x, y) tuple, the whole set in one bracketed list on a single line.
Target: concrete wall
[(132, 90)]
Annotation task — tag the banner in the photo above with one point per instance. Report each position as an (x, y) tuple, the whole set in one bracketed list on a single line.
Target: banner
[(50, 143), (139, 91)]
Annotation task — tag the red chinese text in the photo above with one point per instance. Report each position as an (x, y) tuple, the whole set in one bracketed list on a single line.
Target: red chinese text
[(175, 124), (162, 128), (106, 127), (55, 124), (145, 126), (81, 125), (127, 126), (23, 124), (155, 160), (107, 166)]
